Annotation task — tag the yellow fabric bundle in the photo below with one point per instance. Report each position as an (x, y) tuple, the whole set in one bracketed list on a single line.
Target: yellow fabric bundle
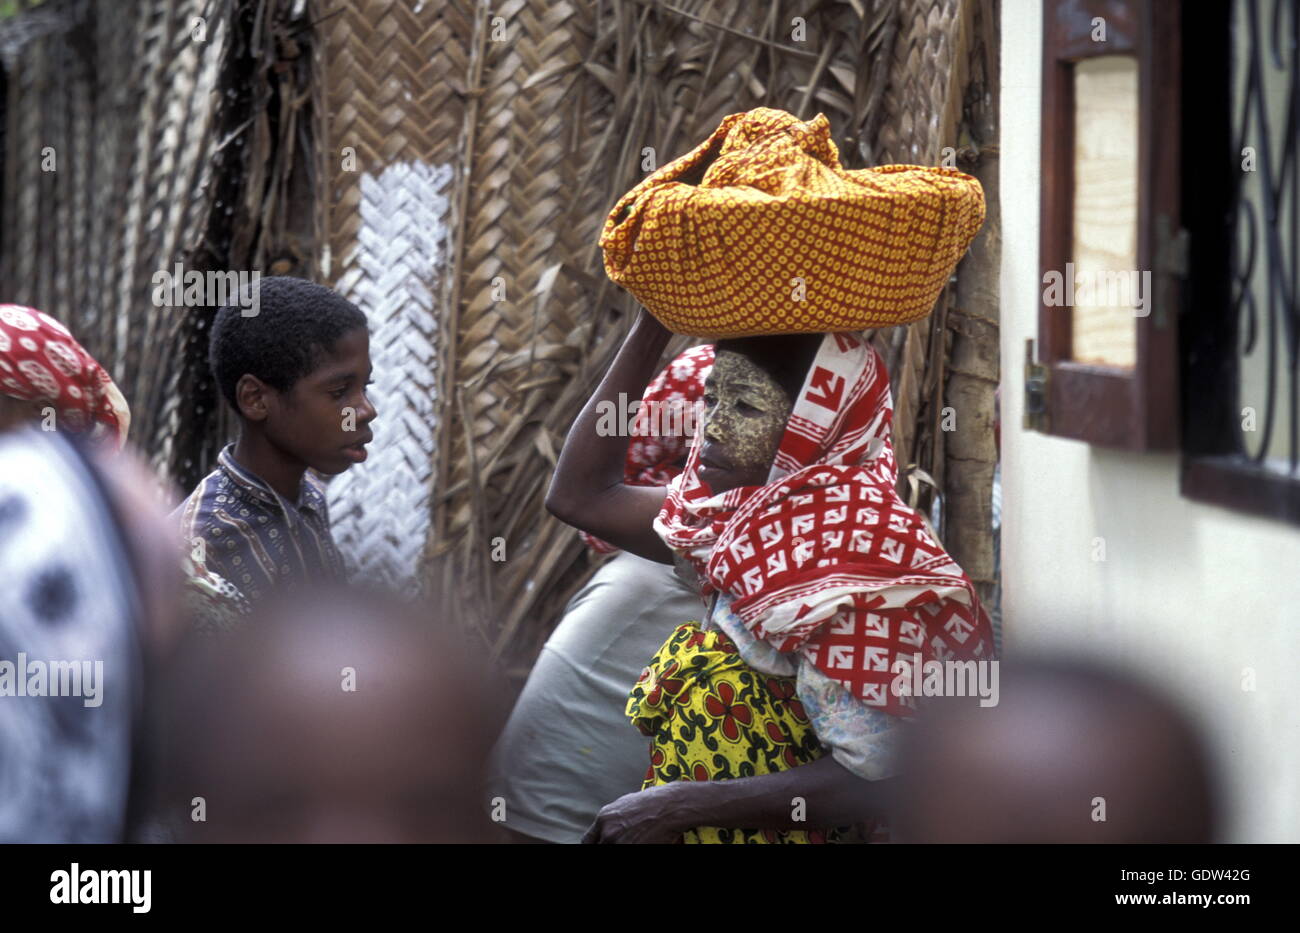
[(777, 238)]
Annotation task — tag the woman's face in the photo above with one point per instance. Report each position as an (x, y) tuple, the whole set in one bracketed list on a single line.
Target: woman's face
[(745, 412)]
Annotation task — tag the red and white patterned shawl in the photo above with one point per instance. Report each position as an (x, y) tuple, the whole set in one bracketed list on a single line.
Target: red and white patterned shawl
[(826, 558)]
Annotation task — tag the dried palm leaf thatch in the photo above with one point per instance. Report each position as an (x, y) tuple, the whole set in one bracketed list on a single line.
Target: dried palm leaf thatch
[(974, 371)]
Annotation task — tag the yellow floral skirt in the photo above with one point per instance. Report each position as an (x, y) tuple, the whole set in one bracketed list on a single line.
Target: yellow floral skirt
[(712, 717)]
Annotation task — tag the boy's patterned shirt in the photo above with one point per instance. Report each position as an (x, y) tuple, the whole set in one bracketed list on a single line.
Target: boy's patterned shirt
[(256, 538)]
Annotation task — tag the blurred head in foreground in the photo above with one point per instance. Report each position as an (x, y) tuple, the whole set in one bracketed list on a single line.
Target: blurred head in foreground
[(1072, 753), (342, 716)]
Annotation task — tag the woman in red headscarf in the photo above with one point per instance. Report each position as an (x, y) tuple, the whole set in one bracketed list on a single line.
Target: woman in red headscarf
[(821, 586), (47, 377), (774, 719)]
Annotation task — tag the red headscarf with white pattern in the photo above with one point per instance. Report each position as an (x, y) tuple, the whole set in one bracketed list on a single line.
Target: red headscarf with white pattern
[(41, 362)]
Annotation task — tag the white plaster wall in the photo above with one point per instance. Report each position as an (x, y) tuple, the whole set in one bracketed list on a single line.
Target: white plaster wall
[(1188, 594)]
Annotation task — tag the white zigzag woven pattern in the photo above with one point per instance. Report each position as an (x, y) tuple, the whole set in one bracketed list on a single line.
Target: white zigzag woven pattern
[(380, 509)]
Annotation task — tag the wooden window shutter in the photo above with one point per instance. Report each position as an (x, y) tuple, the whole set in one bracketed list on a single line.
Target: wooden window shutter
[(1091, 377)]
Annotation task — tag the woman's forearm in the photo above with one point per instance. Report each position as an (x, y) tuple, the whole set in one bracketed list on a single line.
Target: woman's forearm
[(813, 796), (587, 490), (591, 462)]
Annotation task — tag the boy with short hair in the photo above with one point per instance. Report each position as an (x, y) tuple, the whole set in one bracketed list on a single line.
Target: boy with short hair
[(295, 373)]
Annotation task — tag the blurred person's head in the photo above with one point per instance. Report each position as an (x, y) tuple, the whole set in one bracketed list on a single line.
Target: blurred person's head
[(90, 589), (1072, 753), (340, 716)]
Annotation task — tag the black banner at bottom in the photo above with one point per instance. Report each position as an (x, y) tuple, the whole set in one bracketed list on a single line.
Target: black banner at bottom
[(138, 882)]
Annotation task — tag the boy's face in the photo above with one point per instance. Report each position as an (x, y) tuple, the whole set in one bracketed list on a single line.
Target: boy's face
[(323, 420)]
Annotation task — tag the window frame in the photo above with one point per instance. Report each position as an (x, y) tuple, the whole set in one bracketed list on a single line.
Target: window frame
[(1215, 467)]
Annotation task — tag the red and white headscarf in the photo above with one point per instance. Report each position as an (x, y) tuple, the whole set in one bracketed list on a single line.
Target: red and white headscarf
[(655, 459), (826, 558), (40, 361)]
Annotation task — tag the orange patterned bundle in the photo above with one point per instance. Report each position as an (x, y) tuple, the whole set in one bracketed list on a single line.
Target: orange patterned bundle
[(776, 238)]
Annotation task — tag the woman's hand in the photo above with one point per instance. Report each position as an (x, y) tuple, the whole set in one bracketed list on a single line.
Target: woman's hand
[(648, 321), (654, 815)]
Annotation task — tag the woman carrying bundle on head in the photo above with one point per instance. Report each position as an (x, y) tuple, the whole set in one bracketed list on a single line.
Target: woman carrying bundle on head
[(773, 719)]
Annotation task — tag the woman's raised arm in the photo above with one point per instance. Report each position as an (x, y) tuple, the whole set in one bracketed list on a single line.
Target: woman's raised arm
[(587, 490)]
